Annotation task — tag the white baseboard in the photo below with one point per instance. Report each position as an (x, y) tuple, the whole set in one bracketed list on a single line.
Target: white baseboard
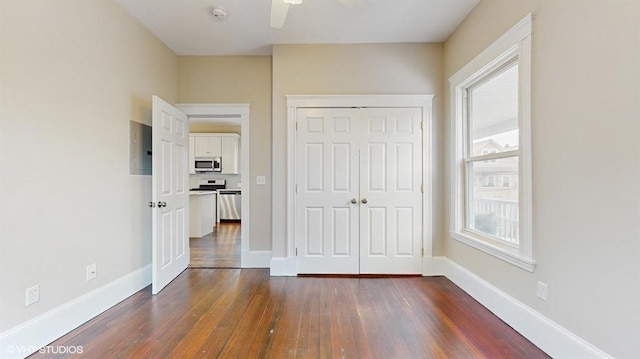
[(30, 336), (256, 259), (434, 266), (284, 267), (549, 336)]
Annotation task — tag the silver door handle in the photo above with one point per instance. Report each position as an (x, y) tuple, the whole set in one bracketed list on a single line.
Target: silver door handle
[(152, 204), (162, 204), (364, 201), (354, 201)]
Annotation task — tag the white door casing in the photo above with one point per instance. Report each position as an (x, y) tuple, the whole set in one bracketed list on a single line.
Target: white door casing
[(170, 193), (358, 190), (327, 182), (249, 258)]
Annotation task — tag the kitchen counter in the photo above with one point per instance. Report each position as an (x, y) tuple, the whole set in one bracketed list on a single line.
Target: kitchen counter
[(201, 193), (202, 213)]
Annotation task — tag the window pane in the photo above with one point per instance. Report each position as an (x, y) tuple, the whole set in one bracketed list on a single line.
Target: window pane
[(494, 113), (493, 198)]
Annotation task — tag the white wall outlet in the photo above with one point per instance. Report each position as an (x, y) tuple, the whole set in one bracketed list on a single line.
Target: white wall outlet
[(92, 271), (543, 291), (32, 295), (261, 179)]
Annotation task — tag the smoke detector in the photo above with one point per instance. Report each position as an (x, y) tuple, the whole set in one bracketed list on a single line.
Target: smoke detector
[(219, 12)]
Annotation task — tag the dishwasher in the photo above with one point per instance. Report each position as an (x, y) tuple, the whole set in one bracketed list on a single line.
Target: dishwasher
[(230, 204)]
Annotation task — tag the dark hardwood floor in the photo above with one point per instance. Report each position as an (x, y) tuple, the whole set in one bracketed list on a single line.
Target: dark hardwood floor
[(232, 313), (220, 249)]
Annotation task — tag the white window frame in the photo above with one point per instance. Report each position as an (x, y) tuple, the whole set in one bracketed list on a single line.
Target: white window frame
[(515, 43)]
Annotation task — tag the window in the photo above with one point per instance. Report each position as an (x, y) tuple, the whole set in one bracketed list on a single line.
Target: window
[(490, 108), (490, 180), (505, 181)]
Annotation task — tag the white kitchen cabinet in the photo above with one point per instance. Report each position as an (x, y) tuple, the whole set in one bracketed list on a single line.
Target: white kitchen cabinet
[(208, 146), (192, 155), (223, 145), (202, 213), (230, 154)]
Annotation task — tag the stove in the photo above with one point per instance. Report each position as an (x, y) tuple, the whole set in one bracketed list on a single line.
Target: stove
[(211, 185)]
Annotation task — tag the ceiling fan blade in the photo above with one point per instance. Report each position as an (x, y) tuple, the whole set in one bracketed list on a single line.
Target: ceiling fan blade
[(279, 10)]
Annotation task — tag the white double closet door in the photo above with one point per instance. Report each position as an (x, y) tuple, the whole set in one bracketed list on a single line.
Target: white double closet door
[(358, 205)]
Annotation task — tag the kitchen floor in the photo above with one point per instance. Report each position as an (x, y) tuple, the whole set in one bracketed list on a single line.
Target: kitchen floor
[(220, 249)]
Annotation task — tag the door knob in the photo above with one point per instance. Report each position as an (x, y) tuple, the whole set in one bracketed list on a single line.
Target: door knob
[(354, 201), (162, 204), (152, 204), (364, 201)]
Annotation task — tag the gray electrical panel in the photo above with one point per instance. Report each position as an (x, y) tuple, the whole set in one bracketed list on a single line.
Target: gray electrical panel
[(139, 148)]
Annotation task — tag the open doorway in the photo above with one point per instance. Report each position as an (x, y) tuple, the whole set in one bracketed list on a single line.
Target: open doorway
[(219, 203), (219, 249)]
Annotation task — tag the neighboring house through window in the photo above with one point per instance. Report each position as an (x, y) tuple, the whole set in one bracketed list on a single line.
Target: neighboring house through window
[(491, 115), (505, 181)]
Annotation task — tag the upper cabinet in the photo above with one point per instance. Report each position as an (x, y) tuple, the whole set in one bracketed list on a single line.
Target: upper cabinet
[(192, 155), (208, 146), (223, 145), (229, 149)]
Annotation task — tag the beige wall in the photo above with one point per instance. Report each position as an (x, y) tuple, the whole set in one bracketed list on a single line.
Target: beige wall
[(238, 79), (72, 76), (213, 128), (586, 163), (352, 69)]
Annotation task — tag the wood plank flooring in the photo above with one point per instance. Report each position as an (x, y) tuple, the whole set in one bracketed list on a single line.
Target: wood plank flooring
[(220, 249), (232, 313)]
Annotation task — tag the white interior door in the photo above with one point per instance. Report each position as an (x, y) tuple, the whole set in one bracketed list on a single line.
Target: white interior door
[(327, 182), (370, 156), (390, 191), (170, 199)]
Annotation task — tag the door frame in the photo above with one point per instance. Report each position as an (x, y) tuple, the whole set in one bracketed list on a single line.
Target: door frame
[(424, 101), (241, 111)]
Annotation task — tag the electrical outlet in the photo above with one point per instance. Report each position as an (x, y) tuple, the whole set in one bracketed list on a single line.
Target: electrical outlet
[(32, 295), (92, 271), (261, 179), (543, 291)]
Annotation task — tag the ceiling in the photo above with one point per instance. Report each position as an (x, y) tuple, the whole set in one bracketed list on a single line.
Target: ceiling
[(188, 28)]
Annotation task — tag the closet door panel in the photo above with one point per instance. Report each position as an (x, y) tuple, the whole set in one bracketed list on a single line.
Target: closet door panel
[(390, 184), (326, 226)]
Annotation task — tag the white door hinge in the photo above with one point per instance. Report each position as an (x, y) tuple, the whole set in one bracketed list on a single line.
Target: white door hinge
[(296, 251), (421, 125), (296, 188), (296, 125), (422, 188), (423, 251)]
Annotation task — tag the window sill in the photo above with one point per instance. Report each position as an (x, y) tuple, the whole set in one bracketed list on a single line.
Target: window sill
[(511, 257)]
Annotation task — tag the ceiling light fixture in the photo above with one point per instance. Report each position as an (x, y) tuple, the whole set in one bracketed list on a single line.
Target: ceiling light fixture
[(293, 2)]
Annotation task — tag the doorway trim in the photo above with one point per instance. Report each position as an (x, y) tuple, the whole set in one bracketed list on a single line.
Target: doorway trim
[(241, 111), (287, 266)]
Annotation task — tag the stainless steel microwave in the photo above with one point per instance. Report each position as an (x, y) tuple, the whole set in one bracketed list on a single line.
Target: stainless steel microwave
[(208, 164)]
